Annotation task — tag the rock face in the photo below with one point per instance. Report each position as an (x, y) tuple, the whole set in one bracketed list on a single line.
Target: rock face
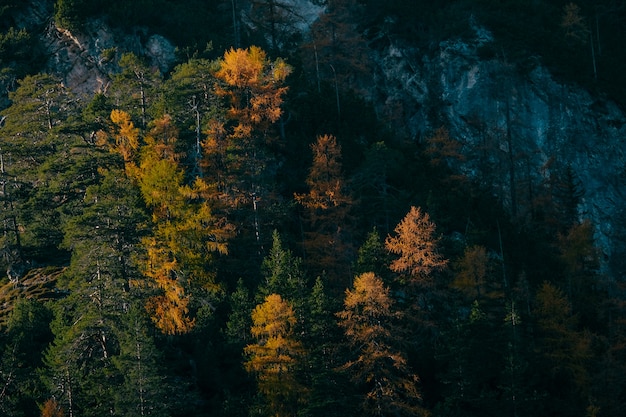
[(518, 130), (85, 60)]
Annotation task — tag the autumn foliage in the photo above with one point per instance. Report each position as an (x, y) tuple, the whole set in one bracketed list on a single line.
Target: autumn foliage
[(417, 246)]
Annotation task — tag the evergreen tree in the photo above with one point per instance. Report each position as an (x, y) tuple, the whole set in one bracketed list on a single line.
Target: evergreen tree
[(329, 386), (21, 354), (144, 390), (101, 282), (565, 352), (284, 275), (134, 88), (372, 256)]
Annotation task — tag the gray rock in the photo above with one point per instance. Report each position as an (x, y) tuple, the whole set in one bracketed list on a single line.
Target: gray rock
[(505, 118)]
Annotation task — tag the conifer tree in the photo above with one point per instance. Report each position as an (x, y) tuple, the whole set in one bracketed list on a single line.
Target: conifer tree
[(283, 274), (565, 351), (22, 344), (372, 256), (329, 386), (390, 387), (239, 158), (101, 283), (31, 141), (276, 18), (133, 88), (417, 246), (326, 211), (142, 391), (276, 355), (184, 235), (336, 52)]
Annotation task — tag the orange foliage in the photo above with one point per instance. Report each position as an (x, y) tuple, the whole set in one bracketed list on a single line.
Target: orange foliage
[(52, 409), (417, 245)]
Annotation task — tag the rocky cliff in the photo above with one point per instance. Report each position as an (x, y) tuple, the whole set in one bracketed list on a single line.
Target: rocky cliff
[(84, 60), (519, 129)]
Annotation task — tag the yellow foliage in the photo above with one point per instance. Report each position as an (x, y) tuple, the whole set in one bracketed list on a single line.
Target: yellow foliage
[(242, 67), (364, 307), (274, 357), (184, 234), (127, 137)]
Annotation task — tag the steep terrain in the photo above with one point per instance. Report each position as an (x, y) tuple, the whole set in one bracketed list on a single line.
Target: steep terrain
[(518, 129)]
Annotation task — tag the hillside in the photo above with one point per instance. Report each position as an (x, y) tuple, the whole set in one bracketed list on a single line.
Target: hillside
[(312, 208)]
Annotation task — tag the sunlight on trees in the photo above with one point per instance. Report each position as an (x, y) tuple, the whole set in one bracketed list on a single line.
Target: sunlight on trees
[(367, 319), (417, 245), (275, 356)]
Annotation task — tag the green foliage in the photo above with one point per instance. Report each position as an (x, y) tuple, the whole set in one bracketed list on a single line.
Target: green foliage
[(22, 344), (136, 193)]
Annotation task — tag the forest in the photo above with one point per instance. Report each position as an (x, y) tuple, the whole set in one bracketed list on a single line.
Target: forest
[(244, 235)]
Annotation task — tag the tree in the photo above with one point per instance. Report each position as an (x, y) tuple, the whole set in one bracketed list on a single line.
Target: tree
[(416, 244), (143, 391), (574, 24), (101, 283), (239, 323), (275, 356), (22, 344), (336, 52), (125, 139), (238, 158), (191, 99), (374, 192), (391, 388), (326, 205), (372, 256), (52, 409), (471, 276), (184, 236), (283, 274), (133, 87), (566, 351), (30, 141)]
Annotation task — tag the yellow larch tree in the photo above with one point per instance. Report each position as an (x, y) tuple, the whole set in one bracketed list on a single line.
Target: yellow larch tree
[(125, 139), (184, 235), (252, 89), (276, 355), (238, 152)]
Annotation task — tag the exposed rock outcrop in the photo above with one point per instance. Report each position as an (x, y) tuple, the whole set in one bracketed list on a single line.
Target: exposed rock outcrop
[(85, 60), (518, 129)]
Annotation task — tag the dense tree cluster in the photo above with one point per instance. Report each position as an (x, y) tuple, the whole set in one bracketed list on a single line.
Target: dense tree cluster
[(242, 237)]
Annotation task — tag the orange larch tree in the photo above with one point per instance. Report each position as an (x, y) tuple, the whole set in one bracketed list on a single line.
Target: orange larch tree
[(326, 209), (381, 370), (238, 159), (417, 246)]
